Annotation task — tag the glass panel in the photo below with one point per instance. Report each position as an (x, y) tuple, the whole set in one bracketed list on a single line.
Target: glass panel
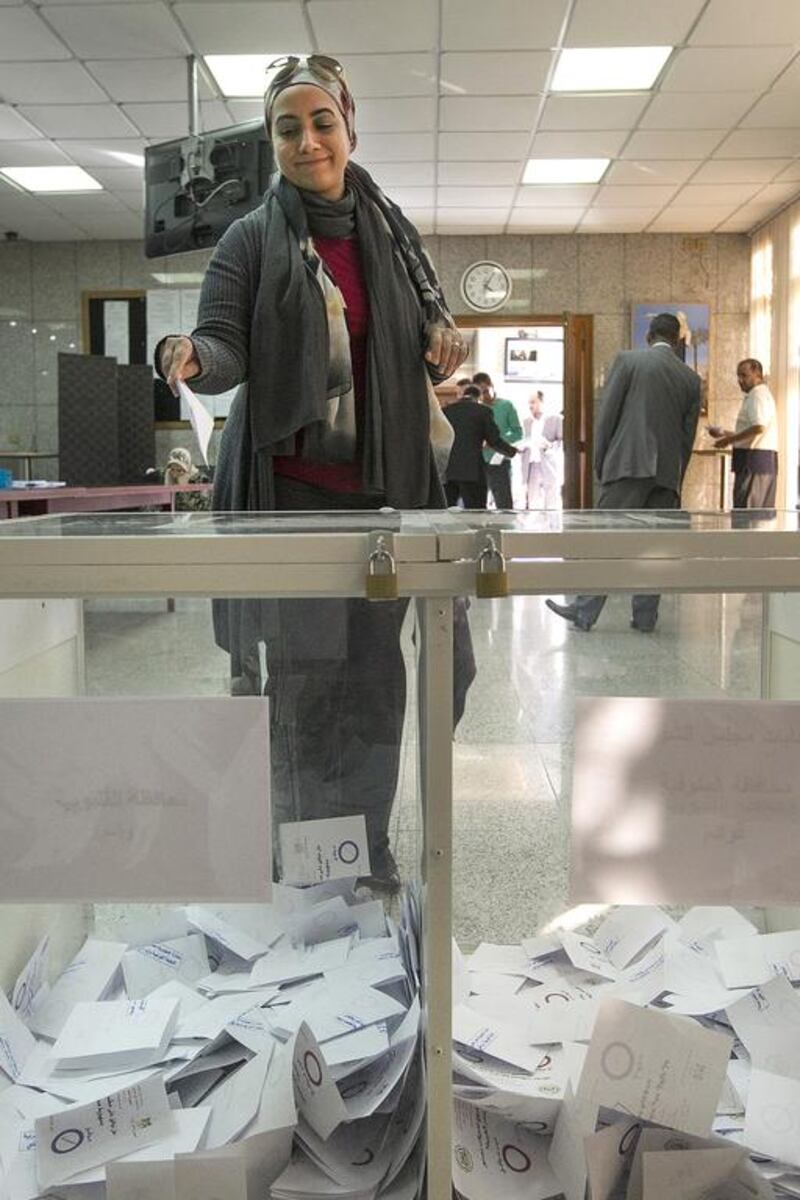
[(281, 1029)]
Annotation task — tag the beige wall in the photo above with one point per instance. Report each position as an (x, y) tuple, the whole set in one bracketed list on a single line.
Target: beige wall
[(602, 274)]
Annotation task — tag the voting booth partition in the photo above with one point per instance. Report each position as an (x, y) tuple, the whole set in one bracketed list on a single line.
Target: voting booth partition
[(209, 983)]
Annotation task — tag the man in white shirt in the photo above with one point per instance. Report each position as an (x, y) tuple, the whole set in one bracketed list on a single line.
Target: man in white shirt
[(541, 474), (754, 440)]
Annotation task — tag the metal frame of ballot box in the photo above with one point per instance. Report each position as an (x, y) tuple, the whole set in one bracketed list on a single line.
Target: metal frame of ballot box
[(436, 556)]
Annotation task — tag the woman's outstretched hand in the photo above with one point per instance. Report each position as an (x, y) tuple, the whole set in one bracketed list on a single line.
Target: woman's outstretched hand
[(178, 360)]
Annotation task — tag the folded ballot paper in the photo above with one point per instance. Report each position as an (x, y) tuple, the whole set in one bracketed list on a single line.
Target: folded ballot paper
[(237, 1051)]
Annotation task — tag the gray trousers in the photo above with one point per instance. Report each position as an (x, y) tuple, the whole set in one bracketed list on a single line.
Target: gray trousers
[(622, 494)]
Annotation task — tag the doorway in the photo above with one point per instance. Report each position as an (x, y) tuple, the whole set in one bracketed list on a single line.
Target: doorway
[(551, 355)]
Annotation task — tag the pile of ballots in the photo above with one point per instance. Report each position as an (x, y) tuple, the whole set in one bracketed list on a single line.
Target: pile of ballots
[(653, 1059), (236, 1051)]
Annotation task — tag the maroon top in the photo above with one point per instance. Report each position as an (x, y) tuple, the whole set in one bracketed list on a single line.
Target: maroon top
[(342, 258)]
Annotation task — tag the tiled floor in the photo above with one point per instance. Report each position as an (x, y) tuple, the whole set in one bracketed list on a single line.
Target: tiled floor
[(512, 753)]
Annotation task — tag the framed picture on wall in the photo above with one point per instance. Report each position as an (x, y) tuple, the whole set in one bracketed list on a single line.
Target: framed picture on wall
[(695, 322)]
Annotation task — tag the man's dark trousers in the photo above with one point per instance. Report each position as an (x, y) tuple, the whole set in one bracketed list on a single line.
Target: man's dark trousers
[(499, 479), (472, 494), (626, 494)]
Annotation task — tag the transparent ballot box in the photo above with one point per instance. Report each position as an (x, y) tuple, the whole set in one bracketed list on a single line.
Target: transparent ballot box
[(333, 861)]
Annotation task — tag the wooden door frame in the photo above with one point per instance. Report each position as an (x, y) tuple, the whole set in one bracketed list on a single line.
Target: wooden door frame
[(578, 390)]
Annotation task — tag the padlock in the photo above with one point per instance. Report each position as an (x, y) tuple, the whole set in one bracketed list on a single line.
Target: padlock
[(492, 579), (381, 573)]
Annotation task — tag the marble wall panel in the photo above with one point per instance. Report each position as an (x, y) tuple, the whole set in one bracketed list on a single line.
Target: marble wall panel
[(17, 428), (16, 363), (98, 266), (694, 268), (55, 290), (136, 270), (611, 334), (16, 280), (733, 273), (51, 339), (46, 418), (648, 267), (601, 273), (555, 274), (729, 344)]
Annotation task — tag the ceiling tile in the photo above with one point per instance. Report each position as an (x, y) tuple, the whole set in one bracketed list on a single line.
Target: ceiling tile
[(118, 30), (423, 219), (593, 144), (486, 146), (32, 154), (390, 74), (547, 196), (14, 127), (403, 115), (634, 196), (395, 147), (119, 179), (651, 171), (685, 220), (370, 26), (86, 205), (791, 173), (485, 218), (245, 110), (494, 74), (79, 120), (475, 197), (739, 223), (43, 225), (778, 193), (101, 153), (617, 220), (465, 174), (739, 170), (402, 174), (593, 112), (725, 70), (620, 23), (790, 79), (544, 220), (172, 120), (26, 37), (487, 113), (716, 194), (412, 197), (777, 110), (684, 110), (274, 28), (748, 23), (146, 79), (693, 143), (121, 226), (133, 200), (50, 83), (761, 143), (501, 25)]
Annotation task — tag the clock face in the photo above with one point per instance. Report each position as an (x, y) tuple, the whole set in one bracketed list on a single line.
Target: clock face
[(485, 286)]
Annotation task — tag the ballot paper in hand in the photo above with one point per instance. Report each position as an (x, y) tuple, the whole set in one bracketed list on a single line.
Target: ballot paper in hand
[(666, 1069), (92, 1134), (201, 419), (332, 848), (132, 800)]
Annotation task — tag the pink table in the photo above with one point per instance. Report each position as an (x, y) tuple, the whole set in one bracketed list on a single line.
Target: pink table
[(37, 502)]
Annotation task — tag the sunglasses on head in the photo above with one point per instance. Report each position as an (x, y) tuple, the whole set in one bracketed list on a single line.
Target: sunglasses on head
[(322, 65)]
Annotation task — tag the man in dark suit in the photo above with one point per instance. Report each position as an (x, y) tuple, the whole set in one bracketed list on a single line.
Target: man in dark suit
[(473, 424), (643, 439)]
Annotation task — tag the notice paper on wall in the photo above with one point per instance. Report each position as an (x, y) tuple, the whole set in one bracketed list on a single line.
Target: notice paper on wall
[(155, 798), (677, 801)]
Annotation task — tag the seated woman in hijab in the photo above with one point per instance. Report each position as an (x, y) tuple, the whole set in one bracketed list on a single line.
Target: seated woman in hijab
[(324, 302)]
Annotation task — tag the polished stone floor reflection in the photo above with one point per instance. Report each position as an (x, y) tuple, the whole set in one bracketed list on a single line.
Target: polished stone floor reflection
[(512, 754)]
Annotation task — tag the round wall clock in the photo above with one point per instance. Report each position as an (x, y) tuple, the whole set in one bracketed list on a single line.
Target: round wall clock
[(485, 286)]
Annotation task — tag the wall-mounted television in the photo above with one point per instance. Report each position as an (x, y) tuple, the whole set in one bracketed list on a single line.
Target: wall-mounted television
[(196, 186)]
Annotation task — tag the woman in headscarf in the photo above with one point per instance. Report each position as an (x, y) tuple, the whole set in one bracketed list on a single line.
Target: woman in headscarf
[(324, 302)]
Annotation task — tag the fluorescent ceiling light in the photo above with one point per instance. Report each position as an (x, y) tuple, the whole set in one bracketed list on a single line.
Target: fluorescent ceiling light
[(565, 170), (612, 69), (241, 75), (52, 179)]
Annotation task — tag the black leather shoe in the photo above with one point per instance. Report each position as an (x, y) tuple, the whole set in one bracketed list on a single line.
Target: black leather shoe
[(385, 877), (642, 628), (570, 613)]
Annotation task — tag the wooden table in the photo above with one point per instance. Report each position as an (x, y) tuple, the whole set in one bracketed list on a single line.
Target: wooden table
[(37, 502)]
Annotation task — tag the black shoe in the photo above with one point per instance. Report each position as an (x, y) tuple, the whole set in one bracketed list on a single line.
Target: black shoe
[(385, 877), (642, 627), (570, 613)]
